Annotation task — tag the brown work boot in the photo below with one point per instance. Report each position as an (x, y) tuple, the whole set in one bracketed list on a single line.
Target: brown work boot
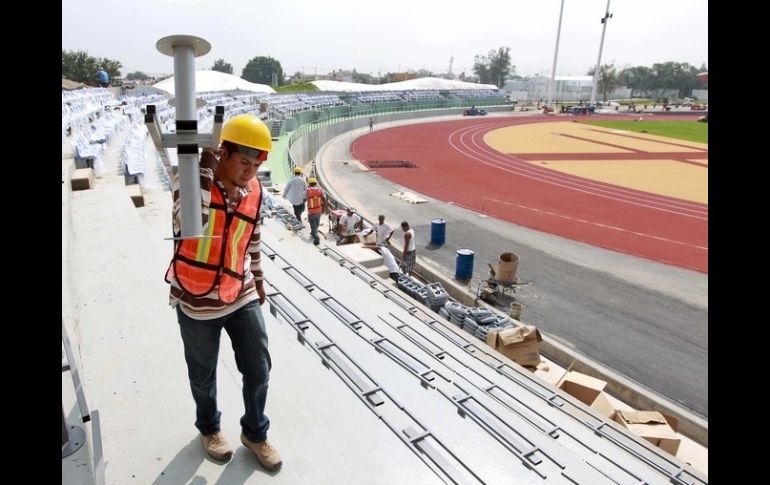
[(216, 446), (267, 455)]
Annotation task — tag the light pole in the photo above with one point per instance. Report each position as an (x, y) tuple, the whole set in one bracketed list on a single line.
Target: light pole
[(607, 16), (184, 49), (555, 55)]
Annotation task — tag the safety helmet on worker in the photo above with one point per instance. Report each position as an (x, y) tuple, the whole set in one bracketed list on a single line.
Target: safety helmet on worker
[(312, 181), (247, 131), (297, 170)]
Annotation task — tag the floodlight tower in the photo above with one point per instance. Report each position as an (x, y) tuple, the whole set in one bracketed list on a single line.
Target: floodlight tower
[(186, 140), (607, 16), (555, 55)]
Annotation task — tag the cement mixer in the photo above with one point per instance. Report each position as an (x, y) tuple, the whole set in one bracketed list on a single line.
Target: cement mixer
[(501, 281), (505, 270)]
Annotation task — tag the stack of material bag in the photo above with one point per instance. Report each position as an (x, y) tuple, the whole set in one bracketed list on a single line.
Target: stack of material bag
[(476, 321), (288, 219), (455, 312), (269, 205), (482, 321)]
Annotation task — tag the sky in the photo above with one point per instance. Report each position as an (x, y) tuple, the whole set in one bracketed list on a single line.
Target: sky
[(317, 36)]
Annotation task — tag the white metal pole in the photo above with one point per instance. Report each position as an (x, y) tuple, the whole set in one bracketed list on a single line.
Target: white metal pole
[(189, 172), (184, 49), (555, 55), (597, 70), (184, 82)]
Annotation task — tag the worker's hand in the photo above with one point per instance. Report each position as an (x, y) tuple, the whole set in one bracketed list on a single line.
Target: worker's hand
[(209, 158), (261, 292)]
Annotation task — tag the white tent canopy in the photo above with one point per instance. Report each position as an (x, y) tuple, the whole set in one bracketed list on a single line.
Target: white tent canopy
[(423, 83), (216, 81), (324, 85), (436, 83)]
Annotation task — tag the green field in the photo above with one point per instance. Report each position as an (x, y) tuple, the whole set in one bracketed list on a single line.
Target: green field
[(682, 130), (295, 88)]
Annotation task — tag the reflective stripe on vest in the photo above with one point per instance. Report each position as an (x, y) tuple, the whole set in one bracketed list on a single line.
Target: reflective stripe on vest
[(200, 264), (314, 200)]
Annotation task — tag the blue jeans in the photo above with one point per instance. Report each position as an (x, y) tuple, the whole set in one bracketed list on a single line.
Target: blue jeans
[(314, 220), (246, 329)]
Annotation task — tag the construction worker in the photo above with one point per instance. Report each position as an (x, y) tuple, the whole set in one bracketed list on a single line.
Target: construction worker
[(409, 252), (390, 262), (216, 283), (350, 222), (381, 230), (296, 191), (316, 205)]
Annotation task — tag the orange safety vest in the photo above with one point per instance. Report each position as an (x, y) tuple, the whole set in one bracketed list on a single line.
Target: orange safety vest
[(199, 264), (315, 197)]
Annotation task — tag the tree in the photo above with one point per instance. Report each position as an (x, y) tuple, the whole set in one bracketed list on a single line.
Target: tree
[(704, 83), (676, 75), (387, 77), (222, 66), (481, 68), (137, 75), (638, 78), (80, 67), (296, 78), (261, 69), (495, 67), (360, 77), (609, 79)]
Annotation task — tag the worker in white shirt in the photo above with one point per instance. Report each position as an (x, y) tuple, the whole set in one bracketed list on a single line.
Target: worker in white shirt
[(296, 192), (349, 223), (410, 249), (390, 262), (381, 230)]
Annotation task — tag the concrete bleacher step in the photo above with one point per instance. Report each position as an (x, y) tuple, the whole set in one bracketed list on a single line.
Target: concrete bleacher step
[(136, 194), (381, 271), (275, 129), (363, 256), (82, 179), (308, 282)]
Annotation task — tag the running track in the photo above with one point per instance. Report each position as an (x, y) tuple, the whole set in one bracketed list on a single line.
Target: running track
[(455, 165)]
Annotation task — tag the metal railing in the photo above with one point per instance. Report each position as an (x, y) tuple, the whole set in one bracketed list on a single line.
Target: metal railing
[(73, 437)]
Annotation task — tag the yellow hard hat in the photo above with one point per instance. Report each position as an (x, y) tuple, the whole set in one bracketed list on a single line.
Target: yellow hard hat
[(297, 169), (312, 180), (247, 130)]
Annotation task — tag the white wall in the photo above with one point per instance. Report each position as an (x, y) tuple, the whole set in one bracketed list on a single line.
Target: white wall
[(701, 94)]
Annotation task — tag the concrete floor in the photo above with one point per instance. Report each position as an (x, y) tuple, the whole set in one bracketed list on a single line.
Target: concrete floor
[(646, 320), (133, 372)]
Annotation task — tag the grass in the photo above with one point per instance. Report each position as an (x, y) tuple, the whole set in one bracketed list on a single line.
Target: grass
[(295, 88), (682, 130)]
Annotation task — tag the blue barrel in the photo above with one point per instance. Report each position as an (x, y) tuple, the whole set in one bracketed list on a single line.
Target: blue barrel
[(437, 231), (464, 266)]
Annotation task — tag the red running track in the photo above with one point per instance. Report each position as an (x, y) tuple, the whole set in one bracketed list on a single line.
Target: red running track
[(455, 165)]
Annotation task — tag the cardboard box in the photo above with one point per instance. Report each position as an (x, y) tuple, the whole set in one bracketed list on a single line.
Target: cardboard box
[(603, 406), (587, 390), (520, 344), (658, 429)]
